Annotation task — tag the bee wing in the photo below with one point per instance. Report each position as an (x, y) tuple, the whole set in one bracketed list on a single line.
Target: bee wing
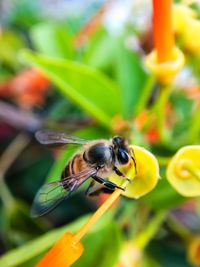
[(54, 138), (51, 195)]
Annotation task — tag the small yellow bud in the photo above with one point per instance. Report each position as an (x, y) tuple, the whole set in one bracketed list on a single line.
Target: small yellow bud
[(181, 15), (183, 171), (166, 71), (191, 40), (194, 251)]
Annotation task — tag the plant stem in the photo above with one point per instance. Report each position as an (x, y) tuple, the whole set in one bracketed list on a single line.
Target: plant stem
[(194, 131), (146, 235), (160, 109), (163, 161), (179, 228), (146, 93)]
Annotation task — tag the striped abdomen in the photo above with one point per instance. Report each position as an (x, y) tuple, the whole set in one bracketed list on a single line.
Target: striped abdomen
[(75, 165)]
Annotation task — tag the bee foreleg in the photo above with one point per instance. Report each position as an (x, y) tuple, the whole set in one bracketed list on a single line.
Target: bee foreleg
[(101, 190), (106, 183), (89, 189), (119, 173)]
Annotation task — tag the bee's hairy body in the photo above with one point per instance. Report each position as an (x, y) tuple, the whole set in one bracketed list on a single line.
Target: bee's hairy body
[(95, 154), (96, 160)]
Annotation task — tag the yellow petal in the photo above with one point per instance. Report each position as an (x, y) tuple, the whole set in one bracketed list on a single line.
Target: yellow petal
[(190, 40), (194, 251), (166, 71), (181, 15), (183, 171), (147, 174)]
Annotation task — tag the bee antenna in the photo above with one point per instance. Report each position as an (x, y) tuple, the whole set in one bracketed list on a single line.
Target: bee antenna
[(134, 161)]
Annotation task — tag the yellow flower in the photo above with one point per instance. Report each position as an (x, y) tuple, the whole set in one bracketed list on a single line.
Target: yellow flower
[(183, 171), (194, 251), (166, 71), (146, 177), (181, 15)]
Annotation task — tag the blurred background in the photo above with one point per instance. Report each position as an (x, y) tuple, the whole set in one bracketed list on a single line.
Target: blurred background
[(78, 67)]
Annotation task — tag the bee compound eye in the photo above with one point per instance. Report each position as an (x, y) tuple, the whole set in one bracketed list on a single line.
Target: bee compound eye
[(122, 156)]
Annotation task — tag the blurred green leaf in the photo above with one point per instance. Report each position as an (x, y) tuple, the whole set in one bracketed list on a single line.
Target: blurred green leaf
[(130, 76), (87, 87), (10, 43), (18, 224), (100, 50), (40, 245), (183, 119), (53, 40), (102, 248), (168, 254), (163, 196), (25, 13)]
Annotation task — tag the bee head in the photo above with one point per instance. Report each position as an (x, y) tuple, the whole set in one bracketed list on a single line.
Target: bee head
[(121, 150)]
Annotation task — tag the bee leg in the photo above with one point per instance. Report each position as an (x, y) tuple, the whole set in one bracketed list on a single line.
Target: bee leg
[(101, 190), (94, 189), (119, 173), (106, 183), (89, 189)]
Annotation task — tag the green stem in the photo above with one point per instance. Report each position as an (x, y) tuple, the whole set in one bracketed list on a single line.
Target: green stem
[(160, 109), (179, 228), (163, 161), (142, 240), (5, 194), (146, 93), (194, 131)]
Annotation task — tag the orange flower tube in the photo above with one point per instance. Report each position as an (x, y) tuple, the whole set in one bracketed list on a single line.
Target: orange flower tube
[(162, 29), (68, 248), (63, 254)]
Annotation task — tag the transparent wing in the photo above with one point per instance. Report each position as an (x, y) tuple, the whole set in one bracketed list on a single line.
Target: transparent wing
[(51, 195), (54, 138)]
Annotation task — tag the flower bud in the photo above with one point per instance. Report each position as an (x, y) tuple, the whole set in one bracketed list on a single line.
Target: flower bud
[(183, 171)]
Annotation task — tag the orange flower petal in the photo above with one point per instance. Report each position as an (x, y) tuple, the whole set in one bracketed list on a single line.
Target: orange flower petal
[(163, 30)]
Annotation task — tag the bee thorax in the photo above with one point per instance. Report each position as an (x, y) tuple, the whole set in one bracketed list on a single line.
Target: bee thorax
[(99, 154)]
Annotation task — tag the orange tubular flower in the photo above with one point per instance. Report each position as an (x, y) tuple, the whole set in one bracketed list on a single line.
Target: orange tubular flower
[(163, 30), (63, 254), (69, 247), (166, 60), (90, 27)]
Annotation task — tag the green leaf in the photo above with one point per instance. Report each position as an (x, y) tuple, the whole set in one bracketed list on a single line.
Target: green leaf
[(87, 87), (10, 43), (163, 196), (102, 248), (100, 50), (130, 76), (40, 245), (160, 250), (53, 40)]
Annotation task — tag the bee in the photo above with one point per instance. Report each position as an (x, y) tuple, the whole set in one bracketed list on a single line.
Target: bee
[(97, 159)]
